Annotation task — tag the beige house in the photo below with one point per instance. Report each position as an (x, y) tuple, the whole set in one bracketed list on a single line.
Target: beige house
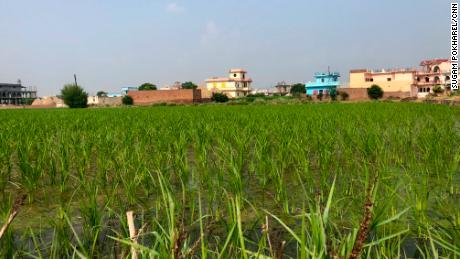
[(397, 81), (435, 72), (235, 85)]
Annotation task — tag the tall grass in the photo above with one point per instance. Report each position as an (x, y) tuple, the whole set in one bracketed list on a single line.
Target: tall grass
[(376, 180)]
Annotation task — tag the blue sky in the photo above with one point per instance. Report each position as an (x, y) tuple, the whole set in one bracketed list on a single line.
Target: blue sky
[(113, 43)]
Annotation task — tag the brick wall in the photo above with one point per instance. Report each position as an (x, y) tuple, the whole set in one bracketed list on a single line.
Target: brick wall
[(361, 94), (165, 96)]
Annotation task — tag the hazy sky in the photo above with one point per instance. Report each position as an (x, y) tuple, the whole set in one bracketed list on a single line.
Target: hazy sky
[(114, 43)]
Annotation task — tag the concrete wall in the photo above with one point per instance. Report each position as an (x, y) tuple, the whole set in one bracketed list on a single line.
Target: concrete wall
[(359, 94), (165, 96)]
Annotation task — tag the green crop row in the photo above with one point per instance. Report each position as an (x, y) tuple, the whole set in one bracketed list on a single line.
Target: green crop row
[(380, 180)]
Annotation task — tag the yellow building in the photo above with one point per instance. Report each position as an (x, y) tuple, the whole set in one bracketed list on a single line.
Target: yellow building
[(400, 80), (234, 86)]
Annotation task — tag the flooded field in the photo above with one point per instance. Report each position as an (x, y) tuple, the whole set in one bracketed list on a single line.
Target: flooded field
[(302, 181)]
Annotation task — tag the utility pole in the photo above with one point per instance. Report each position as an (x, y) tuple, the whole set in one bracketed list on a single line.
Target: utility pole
[(75, 78)]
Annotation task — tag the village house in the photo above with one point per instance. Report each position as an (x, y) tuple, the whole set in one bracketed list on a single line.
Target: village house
[(401, 83), (234, 86), (434, 72), (323, 84), (15, 94)]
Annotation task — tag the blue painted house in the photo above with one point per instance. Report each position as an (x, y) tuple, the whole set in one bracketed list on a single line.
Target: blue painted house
[(324, 83)]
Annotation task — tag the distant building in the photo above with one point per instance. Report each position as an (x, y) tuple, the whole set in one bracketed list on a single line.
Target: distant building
[(104, 100), (283, 88), (434, 72), (15, 94), (124, 90), (323, 84), (395, 81), (236, 85)]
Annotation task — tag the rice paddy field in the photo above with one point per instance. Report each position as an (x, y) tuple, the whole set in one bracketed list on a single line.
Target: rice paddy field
[(342, 180)]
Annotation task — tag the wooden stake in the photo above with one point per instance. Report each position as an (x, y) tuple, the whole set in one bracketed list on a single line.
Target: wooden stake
[(132, 233), (14, 211)]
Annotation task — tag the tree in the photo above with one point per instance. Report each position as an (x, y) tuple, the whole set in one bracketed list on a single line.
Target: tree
[(74, 96), (375, 92), (320, 96), (127, 100), (219, 97), (333, 94), (298, 89), (189, 85), (147, 86), (101, 94)]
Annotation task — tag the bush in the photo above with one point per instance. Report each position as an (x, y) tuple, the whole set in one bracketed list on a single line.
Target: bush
[(344, 96), (333, 94), (309, 98), (74, 96), (438, 89), (375, 92), (219, 98), (127, 100), (320, 96)]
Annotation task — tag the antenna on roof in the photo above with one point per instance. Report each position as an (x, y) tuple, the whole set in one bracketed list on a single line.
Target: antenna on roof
[(328, 70), (19, 82)]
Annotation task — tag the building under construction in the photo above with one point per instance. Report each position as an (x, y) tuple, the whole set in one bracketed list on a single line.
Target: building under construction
[(16, 94)]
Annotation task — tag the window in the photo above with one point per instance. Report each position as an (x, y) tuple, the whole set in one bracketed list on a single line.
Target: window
[(320, 91), (427, 79), (418, 79), (447, 78), (234, 75), (428, 90), (436, 79), (242, 76), (436, 69), (388, 79), (322, 80), (372, 79)]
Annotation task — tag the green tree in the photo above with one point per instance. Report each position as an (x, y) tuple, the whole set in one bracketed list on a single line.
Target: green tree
[(219, 98), (320, 96), (74, 96), (375, 92), (127, 100), (298, 89), (147, 86), (333, 94), (189, 85), (101, 94)]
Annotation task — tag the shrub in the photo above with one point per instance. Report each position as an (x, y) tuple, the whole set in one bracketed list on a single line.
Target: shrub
[(219, 98), (74, 96), (375, 92), (127, 100), (320, 96), (333, 94), (344, 96), (438, 89), (309, 98)]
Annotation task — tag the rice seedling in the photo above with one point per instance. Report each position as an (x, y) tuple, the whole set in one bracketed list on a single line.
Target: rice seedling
[(376, 180)]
